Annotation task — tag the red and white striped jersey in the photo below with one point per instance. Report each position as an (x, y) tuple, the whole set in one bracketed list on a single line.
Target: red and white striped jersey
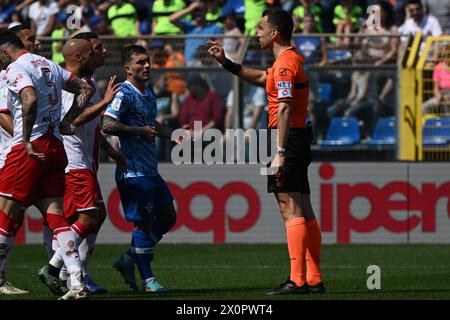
[(48, 79), (5, 106), (82, 148)]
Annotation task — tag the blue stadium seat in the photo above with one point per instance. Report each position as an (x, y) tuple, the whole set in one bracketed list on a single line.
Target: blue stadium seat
[(384, 134), (436, 132), (342, 132), (325, 92)]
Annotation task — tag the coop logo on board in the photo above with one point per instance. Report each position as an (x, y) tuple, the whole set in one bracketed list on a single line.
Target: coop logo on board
[(219, 221)]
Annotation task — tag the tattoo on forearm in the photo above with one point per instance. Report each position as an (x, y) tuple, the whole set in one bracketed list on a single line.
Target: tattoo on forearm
[(83, 93), (29, 112), (114, 127)]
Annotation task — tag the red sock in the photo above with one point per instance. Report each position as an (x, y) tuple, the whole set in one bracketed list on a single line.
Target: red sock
[(296, 239), (313, 275), (80, 229), (7, 225), (56, 222)]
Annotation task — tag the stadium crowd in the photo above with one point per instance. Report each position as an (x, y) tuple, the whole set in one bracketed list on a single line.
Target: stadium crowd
[(358, 94)]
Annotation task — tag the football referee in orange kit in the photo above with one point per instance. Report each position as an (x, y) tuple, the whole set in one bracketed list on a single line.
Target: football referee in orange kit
[(287, 91)]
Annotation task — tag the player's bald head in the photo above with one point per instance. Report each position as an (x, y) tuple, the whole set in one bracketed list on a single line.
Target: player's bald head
[(74, 46)]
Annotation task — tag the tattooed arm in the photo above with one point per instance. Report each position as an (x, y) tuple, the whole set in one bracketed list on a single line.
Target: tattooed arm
[(29, 112), (83, 93), (116, 128), (112, 153)]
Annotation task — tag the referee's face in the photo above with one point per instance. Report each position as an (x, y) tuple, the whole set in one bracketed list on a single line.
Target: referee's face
[(264, 32)]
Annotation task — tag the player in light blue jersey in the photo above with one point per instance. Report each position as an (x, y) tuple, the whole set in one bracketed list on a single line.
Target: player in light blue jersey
[(146, 199)]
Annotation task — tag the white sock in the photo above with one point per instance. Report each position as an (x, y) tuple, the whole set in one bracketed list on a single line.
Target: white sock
[(6, 245), (69, 252), (57, 260), (85, 250), (47, 236)]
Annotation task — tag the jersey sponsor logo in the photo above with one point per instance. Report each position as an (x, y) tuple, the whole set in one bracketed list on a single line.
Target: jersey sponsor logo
[(284, 84), (116, 104), (17, 79), (3, 93), (283, 93), (39, 63), (283, 72)]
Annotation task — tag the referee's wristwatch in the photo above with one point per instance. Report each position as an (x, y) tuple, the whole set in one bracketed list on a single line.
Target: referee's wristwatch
[(281, 150)]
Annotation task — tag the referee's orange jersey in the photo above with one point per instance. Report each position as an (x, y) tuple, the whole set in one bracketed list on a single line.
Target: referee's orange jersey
[(286, 80)]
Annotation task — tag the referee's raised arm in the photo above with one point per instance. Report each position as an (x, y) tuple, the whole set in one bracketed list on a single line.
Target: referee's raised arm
[(255, 76)]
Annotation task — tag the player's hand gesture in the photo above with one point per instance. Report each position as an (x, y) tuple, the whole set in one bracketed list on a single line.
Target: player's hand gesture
[(34, 151), (111, 90), (149, 133), (216, 51)]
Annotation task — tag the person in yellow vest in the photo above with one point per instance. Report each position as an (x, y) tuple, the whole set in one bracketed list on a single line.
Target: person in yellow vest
[(162, 9), (59, 33), (123, 18)]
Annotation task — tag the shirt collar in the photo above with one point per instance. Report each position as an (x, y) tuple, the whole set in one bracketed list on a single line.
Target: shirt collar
[(136, 89)]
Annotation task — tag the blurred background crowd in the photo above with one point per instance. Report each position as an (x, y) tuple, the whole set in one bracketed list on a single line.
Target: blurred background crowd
[(190, 86)]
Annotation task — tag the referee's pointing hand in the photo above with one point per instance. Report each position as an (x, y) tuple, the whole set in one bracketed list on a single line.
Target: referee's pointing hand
[(216, 51)]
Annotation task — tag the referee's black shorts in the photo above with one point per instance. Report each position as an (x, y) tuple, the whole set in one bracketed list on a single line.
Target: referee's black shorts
[(293, 177)]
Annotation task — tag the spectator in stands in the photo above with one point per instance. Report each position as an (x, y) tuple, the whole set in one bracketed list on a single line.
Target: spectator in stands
[(314, 49), (254, 104), (230, 44), (311, 7), (9, 12), (164, 56), (144, 11), (123, 18), (100, 25), (347, 20), (213, 8), (358, 102), (440, 102), (441, 10), (161, 11), (201, 104), (218, 81), (381, 50), (418, 21), (60, 32), (197, 25), (253, 13), (42, 14)]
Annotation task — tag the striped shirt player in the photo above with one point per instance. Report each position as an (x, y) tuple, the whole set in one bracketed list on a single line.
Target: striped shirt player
[(5, 107), (23, 178), (82, 148)]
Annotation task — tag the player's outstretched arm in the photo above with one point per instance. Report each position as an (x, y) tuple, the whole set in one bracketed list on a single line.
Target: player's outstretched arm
[(83, 94), (6, 122), (93, 111), (116, 128), (255, 76)]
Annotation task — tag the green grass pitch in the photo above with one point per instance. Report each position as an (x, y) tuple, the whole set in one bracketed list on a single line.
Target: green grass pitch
[(246, 271)]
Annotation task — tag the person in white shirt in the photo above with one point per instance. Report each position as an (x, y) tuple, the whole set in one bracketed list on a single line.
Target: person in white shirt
[(418, 21), (43, 16)]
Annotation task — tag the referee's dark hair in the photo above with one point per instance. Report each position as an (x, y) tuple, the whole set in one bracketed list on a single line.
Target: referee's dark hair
[(282, 21), (130, 51), (8, 37)]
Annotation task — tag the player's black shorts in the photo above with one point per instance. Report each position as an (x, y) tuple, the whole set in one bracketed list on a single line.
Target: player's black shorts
[(293, 177)]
